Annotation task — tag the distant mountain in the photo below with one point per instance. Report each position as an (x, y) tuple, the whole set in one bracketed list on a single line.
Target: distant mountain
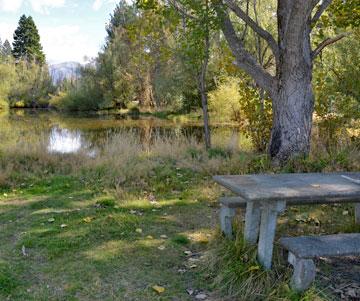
[(62, 71)]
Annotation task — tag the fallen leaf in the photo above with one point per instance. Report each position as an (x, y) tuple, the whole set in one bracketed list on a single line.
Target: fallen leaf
[(149, 237), (23, 250), (51, 220), (158, 289), (254, 268), (139, 230), (345, 212), (163, 236), (161, 248), (88, 219), (63, 225)]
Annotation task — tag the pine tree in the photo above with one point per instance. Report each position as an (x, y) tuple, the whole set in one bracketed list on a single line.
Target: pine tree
[(26, 43), (6, 48)]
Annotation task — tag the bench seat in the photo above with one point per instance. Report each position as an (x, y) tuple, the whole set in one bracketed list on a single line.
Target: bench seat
[(303, 249), (323, 246)]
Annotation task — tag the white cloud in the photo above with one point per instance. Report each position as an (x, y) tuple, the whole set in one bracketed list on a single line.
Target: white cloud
[(7, 30), (99, 3), (39, 6), (10, 5), (67, 43), (43, 6)]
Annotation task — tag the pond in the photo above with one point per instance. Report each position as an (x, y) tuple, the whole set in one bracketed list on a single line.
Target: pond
[(72, 133)]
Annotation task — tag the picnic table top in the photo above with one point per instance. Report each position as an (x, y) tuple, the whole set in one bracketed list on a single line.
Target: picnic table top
[(343, 186)]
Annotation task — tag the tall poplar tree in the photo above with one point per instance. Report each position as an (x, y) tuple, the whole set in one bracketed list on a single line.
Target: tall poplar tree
[(26, 43)]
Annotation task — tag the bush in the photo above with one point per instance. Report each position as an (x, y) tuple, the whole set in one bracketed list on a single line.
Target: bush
[(237, 101)]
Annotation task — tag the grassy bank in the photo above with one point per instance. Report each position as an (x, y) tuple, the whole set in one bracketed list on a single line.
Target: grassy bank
[(111, 226)]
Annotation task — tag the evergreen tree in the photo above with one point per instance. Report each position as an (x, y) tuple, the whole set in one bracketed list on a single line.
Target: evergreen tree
[(26, 43), (6, 48)]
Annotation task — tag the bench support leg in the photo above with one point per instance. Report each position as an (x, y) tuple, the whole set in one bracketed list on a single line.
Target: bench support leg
[(357, 213), (269, 213), (304, 272), (226, 217), (252, 222)]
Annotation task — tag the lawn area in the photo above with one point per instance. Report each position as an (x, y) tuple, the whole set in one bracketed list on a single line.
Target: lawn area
[(141, 223), (63, 240)]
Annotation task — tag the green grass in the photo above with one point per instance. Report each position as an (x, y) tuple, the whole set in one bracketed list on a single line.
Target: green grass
[(83, 245), (64, 240), (74, 227)]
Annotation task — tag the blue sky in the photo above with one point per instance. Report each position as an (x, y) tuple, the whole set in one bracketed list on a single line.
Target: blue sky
[(69, 29)]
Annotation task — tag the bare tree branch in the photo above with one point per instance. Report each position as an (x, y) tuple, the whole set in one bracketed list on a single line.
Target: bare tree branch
[(175, 4), (325, 43), (254, 26), (246, 25), (244, 59), (323, 6)]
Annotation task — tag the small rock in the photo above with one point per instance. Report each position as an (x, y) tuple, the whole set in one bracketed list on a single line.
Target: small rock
[(163, 236), (190, 291), (200, 296), (51, 220), (139, 230), (63, 226), (161, 248)]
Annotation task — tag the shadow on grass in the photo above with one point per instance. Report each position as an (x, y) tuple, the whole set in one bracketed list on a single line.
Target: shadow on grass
[(74, 245)]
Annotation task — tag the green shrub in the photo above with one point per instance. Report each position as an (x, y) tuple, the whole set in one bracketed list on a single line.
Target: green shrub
[(238, 101)]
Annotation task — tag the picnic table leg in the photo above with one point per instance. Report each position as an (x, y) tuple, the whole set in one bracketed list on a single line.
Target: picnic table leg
[(357, 213), (252, 222), (269, 213), (226, 217)]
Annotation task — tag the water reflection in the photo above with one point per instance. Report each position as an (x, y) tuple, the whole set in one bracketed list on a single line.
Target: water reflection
[(70, 134), (64, 141)]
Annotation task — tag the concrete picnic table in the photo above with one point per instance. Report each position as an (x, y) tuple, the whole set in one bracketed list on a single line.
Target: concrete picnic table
[(266, 196)]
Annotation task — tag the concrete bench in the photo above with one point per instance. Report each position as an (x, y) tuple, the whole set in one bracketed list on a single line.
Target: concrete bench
[(231, 203), (303, 249)]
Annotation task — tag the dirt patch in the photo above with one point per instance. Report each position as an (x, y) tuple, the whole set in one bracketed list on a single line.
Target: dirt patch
[(341, 277)]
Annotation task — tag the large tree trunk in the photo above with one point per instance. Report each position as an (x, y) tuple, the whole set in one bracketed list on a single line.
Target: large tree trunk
[(146, 97), (290, 89), (293, 100)]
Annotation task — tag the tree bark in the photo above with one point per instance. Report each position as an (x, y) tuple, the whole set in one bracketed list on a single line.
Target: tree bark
[(293, 99), (290, 89), (202, 82), (203, 92)]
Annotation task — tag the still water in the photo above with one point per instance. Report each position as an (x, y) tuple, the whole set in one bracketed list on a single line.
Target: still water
[(61, 133)]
